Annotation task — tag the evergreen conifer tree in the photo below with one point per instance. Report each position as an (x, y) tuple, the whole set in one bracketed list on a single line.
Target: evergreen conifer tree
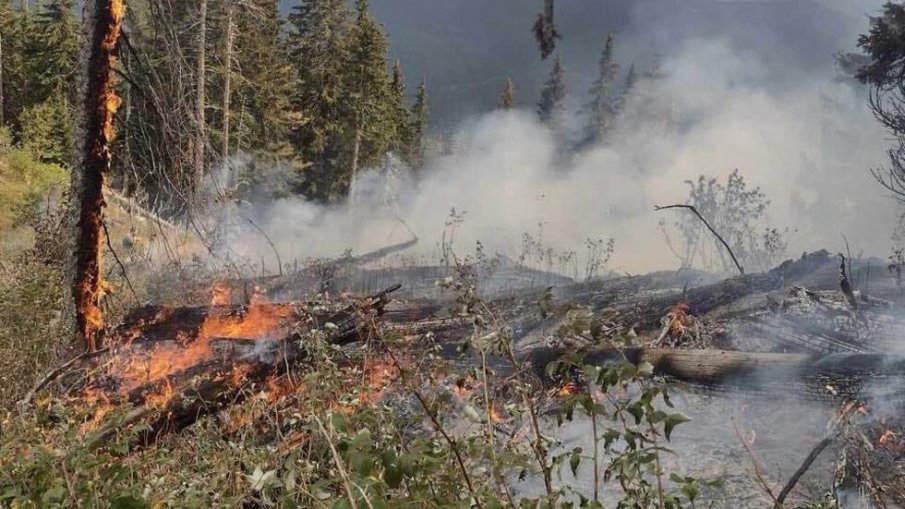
[(318, 45), (550, 105), (419, 116), (398, 109), (604, 104)]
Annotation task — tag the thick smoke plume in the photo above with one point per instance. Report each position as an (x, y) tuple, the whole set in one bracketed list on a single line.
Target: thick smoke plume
[(808, 143)]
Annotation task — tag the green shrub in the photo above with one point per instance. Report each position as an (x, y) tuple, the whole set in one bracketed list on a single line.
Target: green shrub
[(24, 184)]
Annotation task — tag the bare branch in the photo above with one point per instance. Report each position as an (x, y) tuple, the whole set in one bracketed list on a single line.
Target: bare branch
[(707, 224)]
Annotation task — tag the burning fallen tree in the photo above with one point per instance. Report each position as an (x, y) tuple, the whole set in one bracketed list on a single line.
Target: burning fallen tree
[(174, 365)]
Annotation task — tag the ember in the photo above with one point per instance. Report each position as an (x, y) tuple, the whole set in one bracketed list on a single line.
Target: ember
[(680, 319)]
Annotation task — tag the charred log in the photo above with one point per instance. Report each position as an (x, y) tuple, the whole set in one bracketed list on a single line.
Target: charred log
[(173, 402), (742, 369)]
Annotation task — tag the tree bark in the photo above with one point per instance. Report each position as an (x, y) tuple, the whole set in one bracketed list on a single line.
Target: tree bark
[(356, 150), (1, 80), (99, 105), (199, 97), (227, 78), (740, 369)]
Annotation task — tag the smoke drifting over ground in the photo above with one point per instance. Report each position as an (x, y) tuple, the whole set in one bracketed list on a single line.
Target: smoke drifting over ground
[(809, 146)]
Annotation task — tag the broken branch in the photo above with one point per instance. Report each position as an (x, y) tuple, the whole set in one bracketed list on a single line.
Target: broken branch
[(707, 224)]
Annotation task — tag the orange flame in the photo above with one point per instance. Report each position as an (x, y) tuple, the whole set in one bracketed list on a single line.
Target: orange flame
[(568, 389), (278, 388), (161, 399), (680, 320), (158, 364)]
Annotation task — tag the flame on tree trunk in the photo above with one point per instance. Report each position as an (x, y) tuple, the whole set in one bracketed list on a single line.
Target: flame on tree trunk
[(100, 105)]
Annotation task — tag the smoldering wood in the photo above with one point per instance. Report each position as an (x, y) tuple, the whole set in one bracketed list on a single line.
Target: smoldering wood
[(208, 386)]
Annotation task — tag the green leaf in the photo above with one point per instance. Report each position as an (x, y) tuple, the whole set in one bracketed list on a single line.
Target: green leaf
[(53, 495), (9, 492), (575, 461), (339, 421), (128, 502), (392, 476), (690, 491), (361, 463), (673, 420)]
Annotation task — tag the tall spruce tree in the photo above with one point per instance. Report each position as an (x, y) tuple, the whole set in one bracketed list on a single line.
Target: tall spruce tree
[(631, 79), (550, 105), (262, 78), (417, 131), (604, 104), (59, 33), (398, 109), (318, 45), (372, 121), (507, 97)]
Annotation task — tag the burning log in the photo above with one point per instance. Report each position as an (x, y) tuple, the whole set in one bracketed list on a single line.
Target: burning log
[(100, 103), (174, 374)]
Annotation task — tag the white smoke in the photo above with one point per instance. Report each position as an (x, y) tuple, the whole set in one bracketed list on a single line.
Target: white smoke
[(809, 147)]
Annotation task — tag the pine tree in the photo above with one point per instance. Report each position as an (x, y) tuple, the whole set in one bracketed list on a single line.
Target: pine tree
[(318, 45), (262, 84), (549, 107), (398, 109), (40, 53), (604, 104), (507, 98), (419, 116), (198, 147), (372, 118), (58, 47), (631, 79), (545, 30)]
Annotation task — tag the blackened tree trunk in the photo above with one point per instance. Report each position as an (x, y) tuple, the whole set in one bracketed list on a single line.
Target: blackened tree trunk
[(103, 20)]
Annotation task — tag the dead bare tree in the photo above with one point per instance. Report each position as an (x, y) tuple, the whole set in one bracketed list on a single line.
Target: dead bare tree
[(228, 71), (198, 149), (99, 104)]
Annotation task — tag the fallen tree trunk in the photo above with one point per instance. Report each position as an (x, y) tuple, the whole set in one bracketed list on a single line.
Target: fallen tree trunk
[(740, 369)]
